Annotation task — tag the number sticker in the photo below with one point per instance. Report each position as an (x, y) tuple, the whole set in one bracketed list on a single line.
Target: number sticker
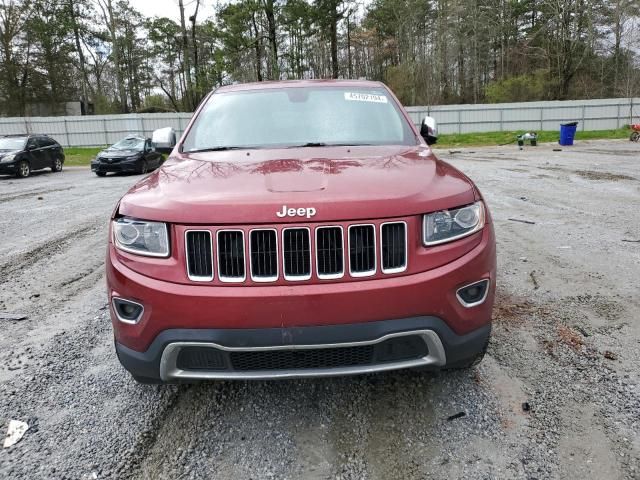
[(364, 97)]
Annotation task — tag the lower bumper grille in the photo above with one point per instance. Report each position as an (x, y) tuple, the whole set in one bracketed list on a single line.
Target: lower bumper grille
[(397, 349), (302, 359)]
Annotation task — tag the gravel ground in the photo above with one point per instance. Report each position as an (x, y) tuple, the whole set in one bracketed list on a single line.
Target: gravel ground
[(556, 397)]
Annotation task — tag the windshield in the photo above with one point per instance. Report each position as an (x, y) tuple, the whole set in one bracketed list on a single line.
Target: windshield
[(299, 116), (12, 143), (129, 144)]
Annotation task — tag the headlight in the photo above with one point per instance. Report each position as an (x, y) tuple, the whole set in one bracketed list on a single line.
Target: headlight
[(140, 237), (448, 225), (8, 158)]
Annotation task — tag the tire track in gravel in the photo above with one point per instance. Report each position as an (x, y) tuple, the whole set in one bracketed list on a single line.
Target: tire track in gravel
[(571, 376), (32, 193), (90, 416), (57, 245), (349, 430), (387, 453)]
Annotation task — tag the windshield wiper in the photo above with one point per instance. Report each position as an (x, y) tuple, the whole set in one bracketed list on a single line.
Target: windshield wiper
[(219, 149), (324, 144)]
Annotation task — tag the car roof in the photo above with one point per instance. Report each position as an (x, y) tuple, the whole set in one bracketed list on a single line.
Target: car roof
[(298, 84), (26, 135)]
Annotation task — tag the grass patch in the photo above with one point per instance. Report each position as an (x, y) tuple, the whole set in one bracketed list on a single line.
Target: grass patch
[(499, 138), (80, 156)]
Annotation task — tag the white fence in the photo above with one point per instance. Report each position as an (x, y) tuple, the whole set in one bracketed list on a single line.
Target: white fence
[(94, 130), (603, 114), (591, 114)]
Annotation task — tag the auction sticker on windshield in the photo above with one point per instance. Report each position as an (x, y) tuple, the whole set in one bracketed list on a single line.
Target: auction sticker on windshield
[(365, 97)]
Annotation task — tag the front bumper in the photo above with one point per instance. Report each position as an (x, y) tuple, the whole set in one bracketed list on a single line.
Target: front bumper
[(443, 347), (9, 168), (129, 166), (294, 317)]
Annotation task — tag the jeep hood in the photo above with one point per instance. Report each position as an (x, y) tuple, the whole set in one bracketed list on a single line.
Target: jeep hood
[(340, 183)]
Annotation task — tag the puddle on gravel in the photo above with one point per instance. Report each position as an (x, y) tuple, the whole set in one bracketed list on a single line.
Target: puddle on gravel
[(592, 174)]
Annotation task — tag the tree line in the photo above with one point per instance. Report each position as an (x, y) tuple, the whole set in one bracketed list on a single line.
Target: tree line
[(107, 54)]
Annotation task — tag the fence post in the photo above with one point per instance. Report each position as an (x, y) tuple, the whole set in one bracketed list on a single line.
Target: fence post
[(501, 120), (618, 119), (459, 120), (583, 115), (541, 119), (144, 132), (66, 132), (104, 129)]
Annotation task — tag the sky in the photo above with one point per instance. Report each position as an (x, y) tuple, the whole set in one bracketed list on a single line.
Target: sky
[(169, 8)]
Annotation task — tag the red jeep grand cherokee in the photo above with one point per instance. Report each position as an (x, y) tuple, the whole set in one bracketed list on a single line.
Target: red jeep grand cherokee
[(300, 229)]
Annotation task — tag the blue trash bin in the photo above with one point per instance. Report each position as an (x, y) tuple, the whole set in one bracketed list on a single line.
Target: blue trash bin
[(568, 133)]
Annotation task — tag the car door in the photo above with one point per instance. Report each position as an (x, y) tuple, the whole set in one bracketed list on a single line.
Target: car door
[(50, 149), (46, 151), (35, 154)]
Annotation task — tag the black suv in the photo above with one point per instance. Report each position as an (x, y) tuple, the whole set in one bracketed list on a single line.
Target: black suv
[(20, 154)]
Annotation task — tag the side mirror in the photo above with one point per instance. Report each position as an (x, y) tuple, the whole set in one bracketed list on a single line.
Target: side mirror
[(429, 130), (163, 140)]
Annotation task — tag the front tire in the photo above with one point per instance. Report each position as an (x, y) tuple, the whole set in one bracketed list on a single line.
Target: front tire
[(24, 169), (57, 165), (635, 137)]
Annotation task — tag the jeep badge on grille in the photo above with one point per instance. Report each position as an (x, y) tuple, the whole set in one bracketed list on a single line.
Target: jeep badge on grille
[(296, 212)]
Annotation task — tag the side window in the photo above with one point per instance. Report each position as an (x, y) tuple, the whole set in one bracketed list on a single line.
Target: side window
[(31, 143), (147, 145), (41, 142), (48, 142)]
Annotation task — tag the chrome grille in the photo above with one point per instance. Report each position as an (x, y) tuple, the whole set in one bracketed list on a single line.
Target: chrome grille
[(394, 247), (296, 253), (199, 255), (231, 255), (362, 250), (329, 252), (336, 251), (264, 255)]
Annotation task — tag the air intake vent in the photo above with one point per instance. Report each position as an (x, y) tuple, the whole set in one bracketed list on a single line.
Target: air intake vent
[(329, 252), (303, 358), (264, 255), (297, 254), (199, 255), (231, 256), (200, 358), (394, 247), (362, 250)]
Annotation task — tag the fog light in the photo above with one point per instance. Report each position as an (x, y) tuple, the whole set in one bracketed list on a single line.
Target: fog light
[(127, 311), (473, 294)]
